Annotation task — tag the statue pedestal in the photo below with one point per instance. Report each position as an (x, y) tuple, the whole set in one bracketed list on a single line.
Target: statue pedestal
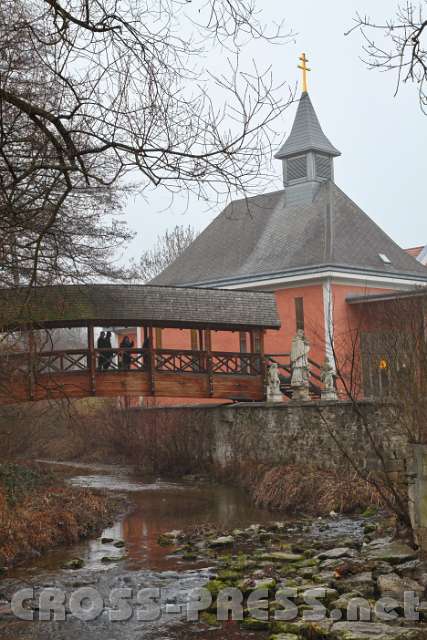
[(274, 397), (329, 395), (300, 393)]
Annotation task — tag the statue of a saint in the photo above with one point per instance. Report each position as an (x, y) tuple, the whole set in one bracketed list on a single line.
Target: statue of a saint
[(273, 384), (300, 368), (327, 376)]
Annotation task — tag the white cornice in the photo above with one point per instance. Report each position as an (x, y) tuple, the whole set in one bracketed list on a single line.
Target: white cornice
[(334, 276)]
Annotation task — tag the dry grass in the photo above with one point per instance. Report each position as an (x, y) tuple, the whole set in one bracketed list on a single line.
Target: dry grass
[(313, 491), (297, 489), (36, 517)]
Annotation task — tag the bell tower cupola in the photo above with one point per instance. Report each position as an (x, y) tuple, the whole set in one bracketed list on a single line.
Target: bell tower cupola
[(307, 155)]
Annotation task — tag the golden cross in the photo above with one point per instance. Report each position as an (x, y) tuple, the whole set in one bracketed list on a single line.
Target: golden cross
[(304, 68)]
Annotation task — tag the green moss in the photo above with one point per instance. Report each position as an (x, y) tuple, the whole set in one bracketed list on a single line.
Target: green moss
[(209, 619), (370, 512), (310, 562), (75, 563), (215, 586), (229, 576)]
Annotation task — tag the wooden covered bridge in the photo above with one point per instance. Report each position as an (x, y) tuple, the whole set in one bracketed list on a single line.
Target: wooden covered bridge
[(32, 369)]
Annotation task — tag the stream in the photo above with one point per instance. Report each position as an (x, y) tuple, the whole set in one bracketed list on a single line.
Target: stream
[(156, 506)]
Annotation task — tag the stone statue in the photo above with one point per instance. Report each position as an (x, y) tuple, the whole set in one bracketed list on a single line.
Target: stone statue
[(300, 368), (273, 384), (327, 376)]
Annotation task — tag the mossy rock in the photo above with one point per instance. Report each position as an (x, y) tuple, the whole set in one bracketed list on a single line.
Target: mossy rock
[(287, 570), (119, 544), (164, 541), (279, 627), (107, 540), (308, 562), (229, 576), (252, 624), (75, 563), (215, 586), (108, 559), (284, 636), (370, 512), (248, 585), (189, 556), (209, 619), (370, 527), (282, 556)]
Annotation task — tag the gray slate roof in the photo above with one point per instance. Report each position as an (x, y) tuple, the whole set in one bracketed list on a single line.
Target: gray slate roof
[(264, 237), (76, 305), (306, 133)]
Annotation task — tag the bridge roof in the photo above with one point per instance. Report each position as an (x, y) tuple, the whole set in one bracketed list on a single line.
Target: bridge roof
[(135, 305)]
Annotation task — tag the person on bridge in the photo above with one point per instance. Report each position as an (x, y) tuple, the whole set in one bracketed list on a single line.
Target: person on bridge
[(146, 356), (100, 344), (109, 355), (126, 355)]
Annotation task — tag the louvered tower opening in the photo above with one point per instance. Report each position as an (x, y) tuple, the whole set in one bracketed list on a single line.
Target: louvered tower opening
[(297, 168), (323, 166)]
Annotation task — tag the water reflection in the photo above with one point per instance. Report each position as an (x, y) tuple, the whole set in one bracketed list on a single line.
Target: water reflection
[(159, 506)]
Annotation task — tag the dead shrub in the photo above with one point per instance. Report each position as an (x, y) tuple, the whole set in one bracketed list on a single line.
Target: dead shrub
[(310, 490)]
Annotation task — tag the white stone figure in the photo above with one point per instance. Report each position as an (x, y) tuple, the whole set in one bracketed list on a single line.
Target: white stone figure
[(327, 376), (273, 384), (300, 367)]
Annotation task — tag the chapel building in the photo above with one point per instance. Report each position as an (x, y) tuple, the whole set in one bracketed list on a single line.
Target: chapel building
[(308, 242)]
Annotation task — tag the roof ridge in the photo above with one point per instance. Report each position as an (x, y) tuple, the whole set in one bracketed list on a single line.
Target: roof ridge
[(329, 228)]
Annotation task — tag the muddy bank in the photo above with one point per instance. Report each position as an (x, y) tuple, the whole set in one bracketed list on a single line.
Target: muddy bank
[(38, 511)]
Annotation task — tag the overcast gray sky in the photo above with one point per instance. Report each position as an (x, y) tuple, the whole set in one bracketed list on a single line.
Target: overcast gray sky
[(382, 138)]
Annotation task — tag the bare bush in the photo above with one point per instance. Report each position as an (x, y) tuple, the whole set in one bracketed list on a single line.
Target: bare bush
[(167, 249)]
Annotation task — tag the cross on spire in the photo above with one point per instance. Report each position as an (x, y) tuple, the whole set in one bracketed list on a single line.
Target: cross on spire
[(304, 69)]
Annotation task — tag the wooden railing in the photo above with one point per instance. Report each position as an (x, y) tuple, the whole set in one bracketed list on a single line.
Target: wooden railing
[(160, 360)]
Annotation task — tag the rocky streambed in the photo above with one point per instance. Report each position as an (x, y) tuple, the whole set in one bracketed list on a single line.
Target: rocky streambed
[(338, 579), (195, 560)]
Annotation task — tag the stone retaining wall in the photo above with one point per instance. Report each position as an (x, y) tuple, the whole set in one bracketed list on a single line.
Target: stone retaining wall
[(295, 433)]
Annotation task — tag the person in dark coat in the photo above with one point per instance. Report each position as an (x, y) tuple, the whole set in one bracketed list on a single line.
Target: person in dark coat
[(146, 356), (108, 354), (126, 359), (100, 344)]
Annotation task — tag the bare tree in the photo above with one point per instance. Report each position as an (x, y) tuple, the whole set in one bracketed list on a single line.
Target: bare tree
[(168, 247), (98, 97), (405, 48), (382, 357)]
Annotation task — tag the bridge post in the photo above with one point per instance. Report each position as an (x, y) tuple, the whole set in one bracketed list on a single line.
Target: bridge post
[(91, 359), (208, 346), (262, 356), (151, 363)]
